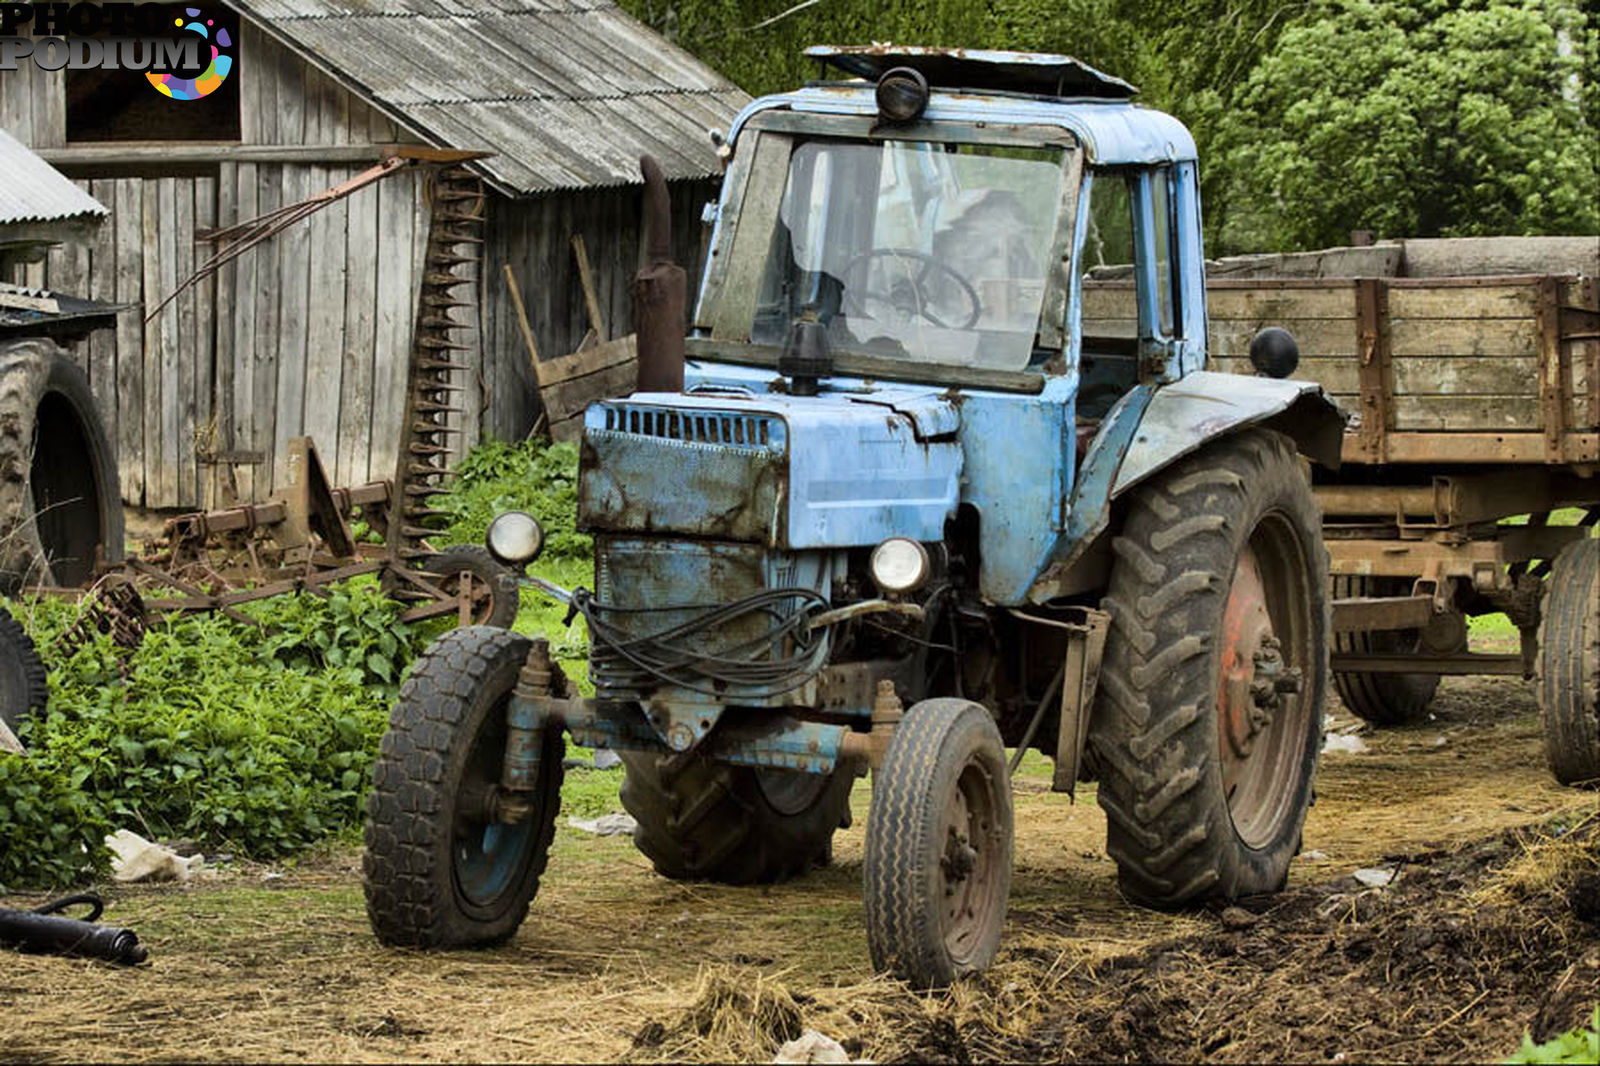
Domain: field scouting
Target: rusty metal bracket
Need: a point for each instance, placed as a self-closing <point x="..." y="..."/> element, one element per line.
<point x="1376" y="377"/>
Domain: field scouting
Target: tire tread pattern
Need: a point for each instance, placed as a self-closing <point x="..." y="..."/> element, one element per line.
<point x="408" y="880"/>
<point x="1567" y="667"/>
<point x="1154" y="735"/>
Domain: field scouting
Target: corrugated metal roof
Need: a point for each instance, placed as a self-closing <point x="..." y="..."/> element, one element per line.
<point x="35" y="191"/>
<point x="567" y="93"/>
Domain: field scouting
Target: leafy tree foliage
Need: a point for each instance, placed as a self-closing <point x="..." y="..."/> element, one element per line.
<point x="1411" y="120"/>
<point x="1410" y="117"/>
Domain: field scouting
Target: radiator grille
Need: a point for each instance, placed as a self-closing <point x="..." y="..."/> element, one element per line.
<point x="696" y="427"/>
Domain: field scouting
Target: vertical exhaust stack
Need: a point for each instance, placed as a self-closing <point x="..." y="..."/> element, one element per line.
<point x="660" y="292"/>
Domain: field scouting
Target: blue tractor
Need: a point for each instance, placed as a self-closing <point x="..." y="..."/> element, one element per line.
<point x="904" y="498"/>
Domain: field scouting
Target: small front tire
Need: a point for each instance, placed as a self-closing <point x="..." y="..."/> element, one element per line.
<point x="439" y="870"/>
<point x="937" y="864"/>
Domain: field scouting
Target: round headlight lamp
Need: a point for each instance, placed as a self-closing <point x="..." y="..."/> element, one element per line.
<point x="515" y="539"/>
<point x="900" y="565"/>
<point x="902" y="95"/>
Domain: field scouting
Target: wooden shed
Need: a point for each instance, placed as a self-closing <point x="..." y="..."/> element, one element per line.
<point x="309" y="333"/>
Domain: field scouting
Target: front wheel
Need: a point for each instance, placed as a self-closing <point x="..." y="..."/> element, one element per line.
<point x="937" y="864"/>
<point x="442" y="869"/>
<point x="1209" y="716"/>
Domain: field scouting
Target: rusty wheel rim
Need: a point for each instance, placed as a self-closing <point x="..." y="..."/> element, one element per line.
<point x="478" y="593"/>
<point x="970" y="862"/>
<point x="1262" y="703"/>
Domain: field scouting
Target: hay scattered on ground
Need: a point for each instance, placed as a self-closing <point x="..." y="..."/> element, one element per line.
<point x="1478" y="940"/>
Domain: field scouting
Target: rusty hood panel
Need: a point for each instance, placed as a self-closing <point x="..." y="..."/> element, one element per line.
<point x="790" y="472"/>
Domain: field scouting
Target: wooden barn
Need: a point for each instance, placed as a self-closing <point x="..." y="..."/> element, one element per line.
<point x="309" y="333"/>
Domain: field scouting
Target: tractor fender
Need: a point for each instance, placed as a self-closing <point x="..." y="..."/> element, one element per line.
<point x="1205" y="405"/>
<point x="1151" y="428"/>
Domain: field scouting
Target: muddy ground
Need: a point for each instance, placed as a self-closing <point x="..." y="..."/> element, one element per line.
<point x="1486" y="932"/>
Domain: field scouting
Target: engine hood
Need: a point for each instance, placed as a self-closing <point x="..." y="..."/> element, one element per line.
<point x="795" y="472"/>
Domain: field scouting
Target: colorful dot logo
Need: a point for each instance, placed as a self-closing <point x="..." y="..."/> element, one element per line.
<point x="210" y="80"/>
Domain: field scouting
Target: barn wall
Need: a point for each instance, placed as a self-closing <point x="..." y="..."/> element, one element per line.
<point x="310" y="332"/>
<point x="534" y="236"/>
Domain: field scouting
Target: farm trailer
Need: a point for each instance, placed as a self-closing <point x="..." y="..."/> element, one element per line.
<point x="1474" y="400"/>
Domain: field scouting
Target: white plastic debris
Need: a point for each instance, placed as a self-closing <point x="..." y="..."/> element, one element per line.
<point x="605" y="759"/>
<point x="1314" y="856"/>
<point x="812" y="1046"/>
<point x="133" y="858"/>
<point x="9" y="741"/>
<point x="1345" y="743"/>
<point x="607" y="825"/>
<point x="1377" y="876"/>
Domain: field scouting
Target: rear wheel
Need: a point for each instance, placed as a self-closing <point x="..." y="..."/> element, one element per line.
<point x="1208" y="721"/>
<point x="700" y="820"/>
<point x="1567" y="668"/>
<point x="1392" y="699"/>
<point x="442" y="869"/>
<point x="936" y="872"/>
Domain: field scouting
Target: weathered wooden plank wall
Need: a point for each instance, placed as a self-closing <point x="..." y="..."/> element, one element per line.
<point x="310" y="332"/>
<point x="534" y="236"/>
<point x="1464" y="357"/>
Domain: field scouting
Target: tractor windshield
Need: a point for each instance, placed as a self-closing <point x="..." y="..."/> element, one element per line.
<point x="935" y="253"/>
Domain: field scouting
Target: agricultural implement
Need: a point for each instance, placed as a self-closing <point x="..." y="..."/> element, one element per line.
<point x="893" y="507"/>
<point x="61" y="525"/>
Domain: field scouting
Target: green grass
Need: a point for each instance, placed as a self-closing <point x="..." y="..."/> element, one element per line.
<point x="1578" y="1045"/>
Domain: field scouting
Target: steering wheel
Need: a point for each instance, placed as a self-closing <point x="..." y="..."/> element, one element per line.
<point x="855" y="298"/>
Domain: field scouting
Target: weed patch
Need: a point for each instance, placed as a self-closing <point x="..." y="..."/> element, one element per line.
<point x="257" y="739"/>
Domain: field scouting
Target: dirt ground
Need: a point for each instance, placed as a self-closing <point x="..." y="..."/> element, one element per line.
<point x="1487" y="931"/>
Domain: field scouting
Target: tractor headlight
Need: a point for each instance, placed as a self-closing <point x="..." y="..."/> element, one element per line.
<point x="515" y="538"/>
<point x="900" y="565"/>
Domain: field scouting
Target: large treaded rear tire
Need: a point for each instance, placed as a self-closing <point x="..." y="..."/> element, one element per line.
<point x="424" y="853"/>
<point x="700" y="820"/>
<point x="60" y="501"/>
<point x="1175" y="829"/>
<point x="1567" y="668"/>
<point x="23" y="688"/>
<point x="1382" y="699"/>
<point x="936" y="873"/>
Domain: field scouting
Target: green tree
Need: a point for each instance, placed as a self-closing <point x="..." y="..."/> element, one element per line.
<point x="1411" y="119"/>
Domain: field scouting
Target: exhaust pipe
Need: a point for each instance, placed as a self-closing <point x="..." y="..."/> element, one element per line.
<point x="660" y="292"/>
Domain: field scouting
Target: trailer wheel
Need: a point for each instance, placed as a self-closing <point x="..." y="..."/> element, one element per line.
<point x="700" y="820"/>
<point x="1384" y="699"/>
<point x="60" y="502"/>
<point x="1209" y="716"/>
<point x="1567" y="668"/>
<point x="491" y="586"/>
<point x="439" y="870"/>
<point x="22" y="675"/>
<point x="936" y="872"/>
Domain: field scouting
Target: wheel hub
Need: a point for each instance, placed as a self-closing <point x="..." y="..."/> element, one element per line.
<point x="1251" y="660"/>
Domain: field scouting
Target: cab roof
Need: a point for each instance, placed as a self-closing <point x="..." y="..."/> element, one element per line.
<point x="1032" y="73"/>
<point x="1022" y="88"/>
